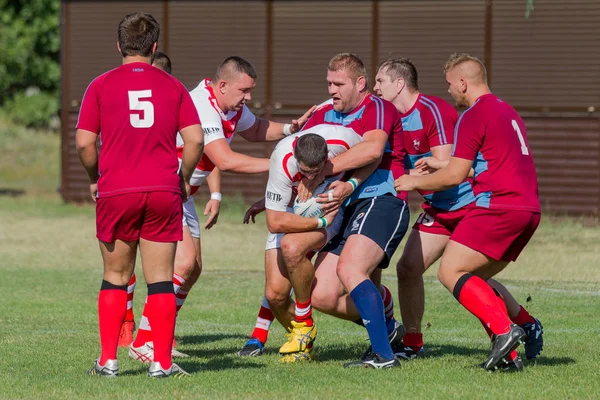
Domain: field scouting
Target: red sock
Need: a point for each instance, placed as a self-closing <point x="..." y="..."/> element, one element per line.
<point x="303" y="313"/>
<point x="523" y="317"/>
<point x="144" y="332"/>
<point x="161" y="314"/>
<point x="263" y="322"/>
<point x="112" y="306"/>
<point x="388" y="303"/>
<point x="414" y="340"/>
<point x="130" y="288"/>
<point x="480" y="300"/>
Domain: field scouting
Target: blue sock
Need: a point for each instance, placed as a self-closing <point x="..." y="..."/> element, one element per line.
<point x="368" y="301"/>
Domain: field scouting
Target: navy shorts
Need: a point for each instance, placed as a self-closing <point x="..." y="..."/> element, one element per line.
<point x="383" y="219"/>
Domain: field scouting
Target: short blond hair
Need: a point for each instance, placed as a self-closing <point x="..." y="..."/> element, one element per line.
<point x="457" y="59"/>
<point x="348" y="62"/>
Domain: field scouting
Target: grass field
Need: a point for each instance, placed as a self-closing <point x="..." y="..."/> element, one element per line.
<point x="50" y="273"/>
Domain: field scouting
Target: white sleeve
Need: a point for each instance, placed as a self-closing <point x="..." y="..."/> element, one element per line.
<point x="212" y="125"/>
<point x="246" y="121"/>
<point x="279" y="186"/>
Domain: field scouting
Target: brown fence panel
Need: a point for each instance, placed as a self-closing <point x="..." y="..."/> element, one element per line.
<point x="566" y="150"/>
<point x="549" y="60"/>
<point x="204" y="33"/>
<point x="306" y="35"/>
<point x="427" y="32"/>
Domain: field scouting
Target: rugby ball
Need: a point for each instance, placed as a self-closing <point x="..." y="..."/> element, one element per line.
<point x="310" y="208"/>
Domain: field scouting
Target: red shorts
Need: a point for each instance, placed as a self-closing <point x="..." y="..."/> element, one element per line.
<point x="154" y="216"/>
<point x="499" y="234"/>
<point x="439" y="222"/>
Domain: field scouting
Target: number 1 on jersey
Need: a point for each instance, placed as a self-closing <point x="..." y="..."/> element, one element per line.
<point x="135" y="104"/>
<point x="524" y="148"/>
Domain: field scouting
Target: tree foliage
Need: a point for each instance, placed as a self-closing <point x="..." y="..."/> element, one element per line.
<point x="29" y="46"/>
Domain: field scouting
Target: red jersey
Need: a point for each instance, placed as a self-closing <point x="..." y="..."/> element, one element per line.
<point x="372" y="113"/>
<point x="137" y="110"/>
<point x="430" y="123"/>
<point x="493" y="136"/>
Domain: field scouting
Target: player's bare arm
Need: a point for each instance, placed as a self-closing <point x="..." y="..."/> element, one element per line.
<point x="340" y="190"/>
<point x="213" y="206"/>
<point x="228" y="160"/>
<point x="445" y="178"/>
<point x="287" y="222"/>
<point x="364" y="153"/>
<point x="88" y="155"/>
<point x="264" y="130"/>
<point x="440" y="157"/>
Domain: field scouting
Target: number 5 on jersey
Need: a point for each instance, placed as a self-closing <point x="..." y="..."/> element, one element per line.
<point x="136" y="104"/>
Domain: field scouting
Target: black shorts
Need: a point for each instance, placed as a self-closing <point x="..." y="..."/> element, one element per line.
<point x="383" y="219"/>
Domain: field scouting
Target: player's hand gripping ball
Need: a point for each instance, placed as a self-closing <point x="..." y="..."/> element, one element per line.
<point x="310" y="208"/>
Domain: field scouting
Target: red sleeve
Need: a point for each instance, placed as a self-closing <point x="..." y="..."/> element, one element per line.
<point x="188" y="115"/>
<point x="313" y="120"/>
<point x="468" y="139"/>
<point x="441" y="125"/>
<point x="380" y="114"/>
<point x="89" y="113"/>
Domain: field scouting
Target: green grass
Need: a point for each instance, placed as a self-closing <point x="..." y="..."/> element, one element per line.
<point x="50" y="272"/>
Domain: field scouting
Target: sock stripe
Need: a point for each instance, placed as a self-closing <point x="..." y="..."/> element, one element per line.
<point x="459" y="285"/>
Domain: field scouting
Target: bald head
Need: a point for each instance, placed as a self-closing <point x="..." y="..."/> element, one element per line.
<point x="467" y="67"/>
<point x="466" y="77"/>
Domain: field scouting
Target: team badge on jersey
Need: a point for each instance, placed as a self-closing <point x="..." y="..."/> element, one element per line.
<point x="416" y="144"/>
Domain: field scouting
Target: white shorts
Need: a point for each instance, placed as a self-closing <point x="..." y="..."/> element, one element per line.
<point x="190" y="217"/>
<point x="274" y="239"/>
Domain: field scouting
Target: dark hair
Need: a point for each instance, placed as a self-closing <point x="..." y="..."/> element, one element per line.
<point x="311" y="150"/>
<point x="234" y="65"/>
<point x="161" y="61"/>
<point x="402" y="68"/>
<point x="137" y="34"/>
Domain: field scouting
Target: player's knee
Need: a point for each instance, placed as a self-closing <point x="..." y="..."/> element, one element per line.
<point x="277" y="299"/>
<point x="185" y="266"/>
<point x="343" y="271"/>
<point x="292" y="251"/>
<point x="323" y="300"/>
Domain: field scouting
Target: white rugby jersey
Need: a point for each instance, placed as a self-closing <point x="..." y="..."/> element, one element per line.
<point x="216" y="125"/>
<point x="283" y="171"/>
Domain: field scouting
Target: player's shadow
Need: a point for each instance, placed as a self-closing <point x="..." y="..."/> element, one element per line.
<point x="208" y="338"/>
<point x="341" y="352"/>
<point x="11" y="192"/>
<point x="441" y="350"/>
<point x="550" y="361"/>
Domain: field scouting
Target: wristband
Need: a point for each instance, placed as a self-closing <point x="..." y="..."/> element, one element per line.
<point x="216" y="196"/>
<point x="354" y="183"/>
<point x="287" y="129"/>
<point x="321" y="223"/>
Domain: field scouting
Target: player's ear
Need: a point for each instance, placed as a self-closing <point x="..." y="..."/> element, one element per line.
<point x="361" y="82"/>
<point x="119" y="47"/>
<point x="154" y="47"/>
<point x="400" y="83"/>
<point x="463" y="85"/>
<point x="222" y="85"/>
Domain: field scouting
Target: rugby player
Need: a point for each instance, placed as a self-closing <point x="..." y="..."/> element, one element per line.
<point x="138" y="110"/>
<point x="428" y="123"/>
<point x="491" y="138"/>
